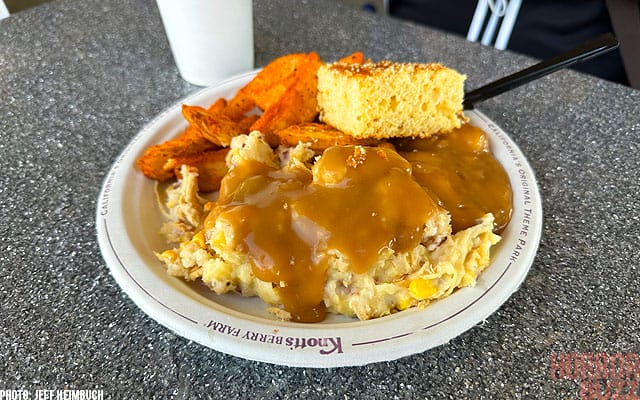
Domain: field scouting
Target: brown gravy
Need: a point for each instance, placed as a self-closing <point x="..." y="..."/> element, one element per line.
<point x="362" y="200"/>
<point x="459" y="170"/>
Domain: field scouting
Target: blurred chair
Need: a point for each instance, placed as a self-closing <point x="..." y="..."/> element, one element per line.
<point x="503" y="14"/>
<point x="539" y="28"/>
<point x="625" y="18"/>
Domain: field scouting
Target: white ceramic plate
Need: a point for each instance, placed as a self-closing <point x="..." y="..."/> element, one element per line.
<point x="128" y="221"/>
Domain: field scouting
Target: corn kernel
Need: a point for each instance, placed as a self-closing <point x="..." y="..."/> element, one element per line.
<point x="422" y="289"/>
<point x="219" y="239"/>
<point x="404" y="303"/>
<point x="198" y="239"/>
<point x="170" y="255"/>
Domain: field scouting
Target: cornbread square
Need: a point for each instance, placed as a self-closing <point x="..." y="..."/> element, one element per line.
<point x="385" y="99"/>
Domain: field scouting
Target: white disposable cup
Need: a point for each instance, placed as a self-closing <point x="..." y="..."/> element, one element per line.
<point x="210" y="39"/>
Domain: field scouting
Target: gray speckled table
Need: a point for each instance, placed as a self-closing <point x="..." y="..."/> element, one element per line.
<point x="79" y="78"/>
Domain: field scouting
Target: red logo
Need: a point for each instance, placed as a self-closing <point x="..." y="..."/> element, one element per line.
<point x="599" y="375"/>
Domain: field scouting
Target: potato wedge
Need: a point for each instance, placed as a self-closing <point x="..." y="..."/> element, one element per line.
<point x="218" y="106"/>
<point x="354" y="58"/>
<point x="211" y="167"/>
<point x="318" y="135"/>
<point x="267" y="87"/>
<point x="297" y="104"/>
<point x="153" y="163"/>
<point x="245" y="123"/>
<point x="217" y="128"/>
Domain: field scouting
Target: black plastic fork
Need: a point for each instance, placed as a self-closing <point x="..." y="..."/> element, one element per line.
<point x="594" y="48"/>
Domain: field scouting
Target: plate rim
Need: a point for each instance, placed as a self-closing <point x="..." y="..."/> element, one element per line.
<point x="266" y="340"/>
